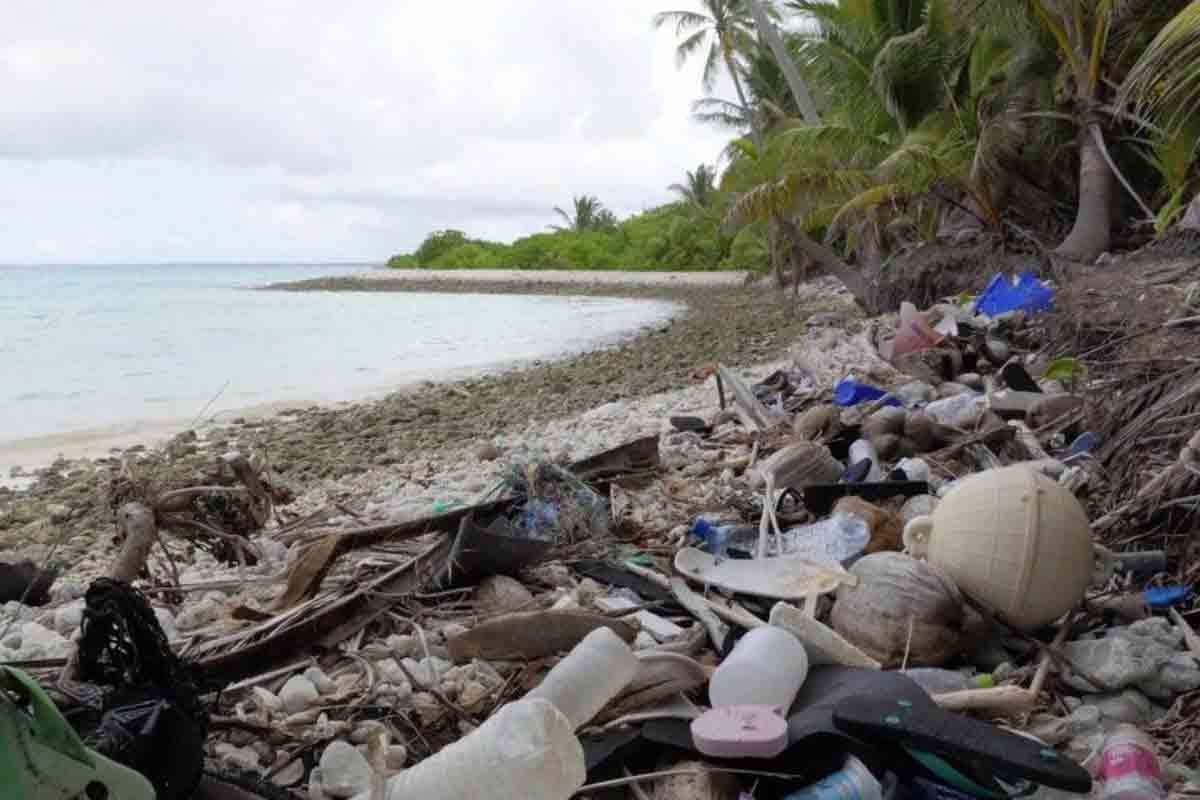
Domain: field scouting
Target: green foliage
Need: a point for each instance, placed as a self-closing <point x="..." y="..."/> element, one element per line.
<point x="676" y="236"/>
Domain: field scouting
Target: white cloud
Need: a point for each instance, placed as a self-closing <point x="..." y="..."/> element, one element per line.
<point x="140" y="131"/>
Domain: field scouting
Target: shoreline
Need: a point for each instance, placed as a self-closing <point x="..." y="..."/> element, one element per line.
<point x="429" y="438"/>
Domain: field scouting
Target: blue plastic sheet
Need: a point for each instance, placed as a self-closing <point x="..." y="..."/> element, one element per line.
<point x="1028" y="294"/>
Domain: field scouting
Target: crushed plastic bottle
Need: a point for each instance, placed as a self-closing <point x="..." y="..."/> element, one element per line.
<point x="1129" y="768"/>
<point x="838" y="538"/>
<point x="852" y="782"/>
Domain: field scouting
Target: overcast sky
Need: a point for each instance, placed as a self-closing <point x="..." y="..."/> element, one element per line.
<point x="226" y="130"/>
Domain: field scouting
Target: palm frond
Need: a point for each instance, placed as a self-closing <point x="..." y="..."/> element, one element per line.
<point x="1164" y="83"/>
<point x="684" y="21"/>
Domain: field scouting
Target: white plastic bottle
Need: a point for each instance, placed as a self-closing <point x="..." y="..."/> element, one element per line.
<point x="863" y="450"/>
<point x="1129" y="767"/>
<point x="525" y="751"/>
<point x="852" y="782"/>
<point x="591" y="675"/>
<point x="766" y="668"/>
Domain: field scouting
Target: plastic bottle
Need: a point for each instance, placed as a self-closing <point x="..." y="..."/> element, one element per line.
<point x="718" y="539"/>
<point x="944" y="681"/>
<point x="525" y="751"/>
<point x="863" y="450"/>
<point x="852" y="782"/>
<point x="766" y="668"/>
<point x="591" y="675"/>
<point x="838" y="538"/>
<point x="1128" y="768"/>
<point x="959" y="411"/>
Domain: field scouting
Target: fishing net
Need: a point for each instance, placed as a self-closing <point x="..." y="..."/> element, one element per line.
<point x="150" y="716"/>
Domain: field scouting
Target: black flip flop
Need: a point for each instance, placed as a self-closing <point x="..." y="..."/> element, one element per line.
<point x="1018" y="379"/>
<point x="890" y="708"/>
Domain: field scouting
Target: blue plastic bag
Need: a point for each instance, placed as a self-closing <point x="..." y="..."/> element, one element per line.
<point x="850" y="393"/>
<point x="1028" y="294"/>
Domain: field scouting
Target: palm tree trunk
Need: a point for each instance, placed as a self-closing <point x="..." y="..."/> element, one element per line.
<point x="755" y="133"/>
<point x="799" y="89"/>
<point x="1092" y="231"/>
<point x="829" y="261"/>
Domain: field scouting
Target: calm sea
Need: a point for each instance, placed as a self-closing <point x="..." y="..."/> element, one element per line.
<point x="94" y="346"/>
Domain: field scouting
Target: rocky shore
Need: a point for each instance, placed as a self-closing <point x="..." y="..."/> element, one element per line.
<point x="440" y="442"/>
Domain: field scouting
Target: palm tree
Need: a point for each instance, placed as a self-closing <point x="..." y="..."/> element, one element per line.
<point x="589" y="215"/>
<point x="799" y="89"/>
<point x="699" y="188"/>
<point x="724" y="34"/>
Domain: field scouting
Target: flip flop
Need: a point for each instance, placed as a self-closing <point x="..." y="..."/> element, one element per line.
<point x="888" y="707"/>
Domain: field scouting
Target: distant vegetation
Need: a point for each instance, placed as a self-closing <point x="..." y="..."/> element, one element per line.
<point x="862" y="130"/>
<point x="685" y="235"/>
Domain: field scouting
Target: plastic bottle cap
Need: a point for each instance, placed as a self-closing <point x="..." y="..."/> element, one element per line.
<point x="741" y="732"/>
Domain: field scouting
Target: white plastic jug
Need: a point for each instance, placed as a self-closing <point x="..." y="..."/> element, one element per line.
<point x="766" y="668"/>
<point x="591" y="675"/>
<point x="525" y="751"/>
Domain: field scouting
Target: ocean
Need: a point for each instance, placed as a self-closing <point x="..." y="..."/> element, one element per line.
<point x="100" y="347"/>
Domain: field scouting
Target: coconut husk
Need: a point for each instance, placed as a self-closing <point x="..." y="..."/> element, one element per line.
<point x="901" y="607"/>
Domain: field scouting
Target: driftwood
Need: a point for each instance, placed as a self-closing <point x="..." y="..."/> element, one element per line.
<point x="530" y="635"/>
<point x="136" y="523"/>
<point x="327" y="627"/>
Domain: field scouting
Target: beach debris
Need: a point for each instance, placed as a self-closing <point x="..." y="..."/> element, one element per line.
<point x="1012" y="539"/>
<point x="533" y="634"/>
<point x="781" y="577"/>
<point x="23" y="582"/>
<point x="823" y="644"/>
<point x="592" y="674"/>
<point x="901" y="611"/>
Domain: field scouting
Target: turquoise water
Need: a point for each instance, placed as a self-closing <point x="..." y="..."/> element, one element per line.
<point x="94" y="346"/>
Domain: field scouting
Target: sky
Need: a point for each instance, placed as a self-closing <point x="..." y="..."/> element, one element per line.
<point x="293" y="130"/>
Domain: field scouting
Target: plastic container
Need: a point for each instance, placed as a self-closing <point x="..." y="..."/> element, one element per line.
<point x="944" y="681"/>
<point x="718" y="539"/>
<point x="766" y="668"/>
<point x="852" y="782"/>
<point x="913" y="333"/>
<point x="863" y="450"/>
<point x="960" y="411"/>
<point x="838" y="538"/>
<point x="1025" y="293"/>
<point x="525" y="751"/>
<point x="591" y="675"/>
<point x="1128" y="768"/>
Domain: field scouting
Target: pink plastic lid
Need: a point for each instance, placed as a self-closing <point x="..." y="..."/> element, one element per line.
<point x="741" y="732"/>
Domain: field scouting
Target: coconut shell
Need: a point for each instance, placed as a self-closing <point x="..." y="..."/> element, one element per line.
<point x="887" y="530"/>
<point x="884" y="421"/>
<point x="896" y="593"/>
<point x="818" y="423"/>
<point x="920" y="428"/>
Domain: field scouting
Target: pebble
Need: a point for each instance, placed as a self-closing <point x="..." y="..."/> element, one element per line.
<point x="31" y="642"/>
<point x="290" y="775"/>
<point x="68" y="617"/>
<point x="344" y="770"/>
<point x="266" y="699"/>
<point x="320" y="680"/>
<point x="240" y="757"/>
<point x="396" y="757"/>
<point x="472" y="692"/>
<point x="487" y="452"/>
<point x="298" y="694"/>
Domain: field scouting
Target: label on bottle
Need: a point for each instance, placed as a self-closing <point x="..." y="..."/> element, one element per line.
<point x="1127" y="759"/>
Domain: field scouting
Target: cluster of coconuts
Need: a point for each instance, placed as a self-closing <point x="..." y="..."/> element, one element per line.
<point x="896" y="433"/>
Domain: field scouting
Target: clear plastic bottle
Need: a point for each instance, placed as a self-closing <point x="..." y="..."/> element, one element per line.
<point x="766" y="668"/>
<point x="718" y="539"/>
<point x="525" y="751"/>
<point x="837" y="538"/>
<point x="852" y="782"/>
<point x="591" y="675"/>
<point x="1129" y="768"/>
